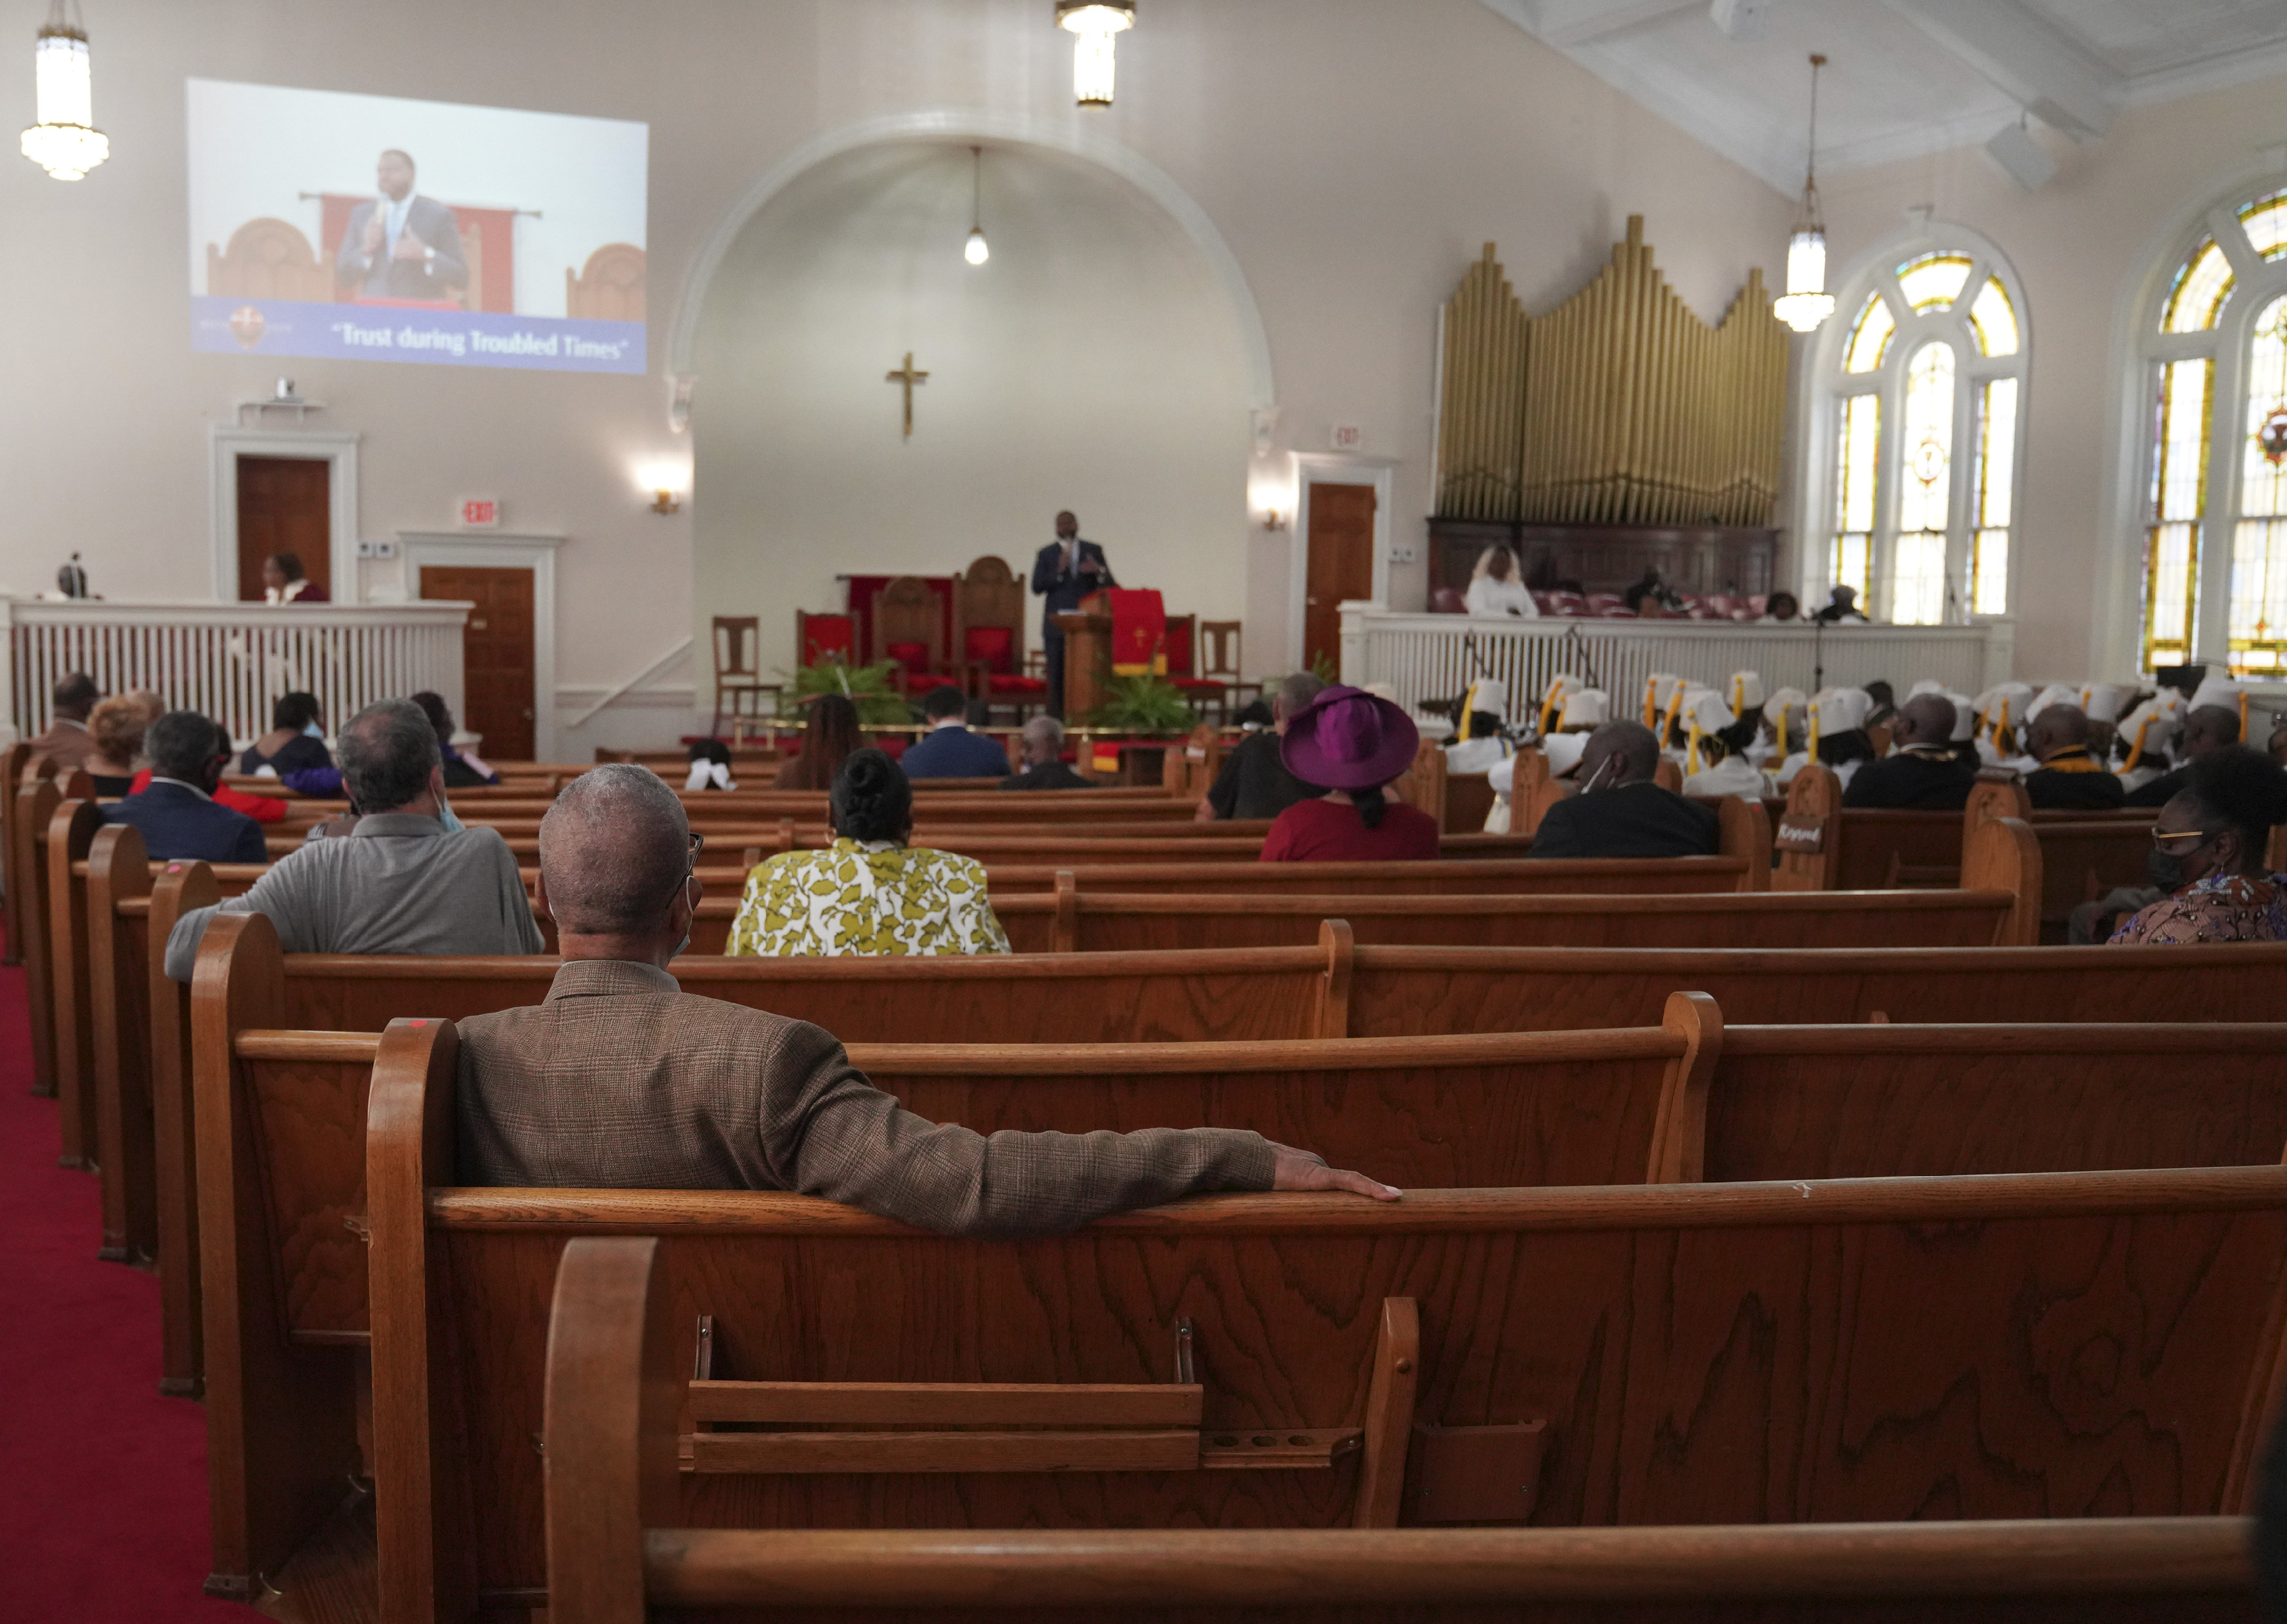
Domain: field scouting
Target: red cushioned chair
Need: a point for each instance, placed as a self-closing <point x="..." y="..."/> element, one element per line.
<point x="988" y="611"/>
<point x="908" y="629"/>
<point x="1569" y="605"/>
<point x="1445" y="600"/>
<point x="826" y="637"/>
<point x="1182" y="667"/>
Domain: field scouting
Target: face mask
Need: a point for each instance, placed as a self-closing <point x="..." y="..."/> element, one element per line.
<point x="2165" y="870"/>
<point x="444" y="816"/>
<point x="313" y="730"/>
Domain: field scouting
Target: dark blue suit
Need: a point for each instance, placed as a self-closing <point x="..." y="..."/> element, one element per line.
<point x="954" y="753"/>
<point x="180" y="824"/>
<point x="1064" y="589"/>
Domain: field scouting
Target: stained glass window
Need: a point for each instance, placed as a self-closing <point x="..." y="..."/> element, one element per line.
<point x="1932" y="282"/>
<point x="2259" y="553"/>
<point x="1870" y="337"/>
<point x="1994" y="320"/>
<point x="2265" y="221"/>
<point x="1996" y="455"/>
<point x="2199" y="291"/>
<point x="1859" y="437"/>
<point x="2177" y="499"/>
<point x="1924" y="489"/>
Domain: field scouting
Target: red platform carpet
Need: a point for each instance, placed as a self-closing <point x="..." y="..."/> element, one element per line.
<point x="103" y="1492"/>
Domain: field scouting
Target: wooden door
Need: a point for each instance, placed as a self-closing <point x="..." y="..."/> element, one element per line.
<point x="1341" y="565"/>
<point x="495" y="654"/>
<point x="285" y="505"/>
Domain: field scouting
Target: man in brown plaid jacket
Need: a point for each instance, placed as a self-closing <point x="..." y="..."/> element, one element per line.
<point x="620" y="1079"/>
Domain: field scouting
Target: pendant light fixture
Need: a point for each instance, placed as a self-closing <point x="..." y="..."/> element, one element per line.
<point x="976" y="252"/>
<point x="64" y="142"/>
<point x="1806" y="301"/>
<point x="1096" y="23"/>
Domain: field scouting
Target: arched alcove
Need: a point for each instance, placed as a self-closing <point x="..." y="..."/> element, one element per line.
<point x="1097" y="362"/>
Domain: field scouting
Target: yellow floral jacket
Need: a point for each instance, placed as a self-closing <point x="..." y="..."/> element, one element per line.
<point x="872" y="897"/>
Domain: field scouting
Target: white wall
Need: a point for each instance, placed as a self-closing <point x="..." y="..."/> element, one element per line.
<point x="1354" y="154"/>
<point x="1091" y="363"/>
<point x="2080" y="244"/>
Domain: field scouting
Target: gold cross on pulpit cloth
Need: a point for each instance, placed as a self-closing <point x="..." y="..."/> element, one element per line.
<point x="907" y="376"/>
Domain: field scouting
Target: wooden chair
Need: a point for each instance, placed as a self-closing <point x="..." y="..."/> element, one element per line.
<point x="909" y="632"/>
<point x="619" y="1392"/>
<point x="739" y="685"/>
<point x="1618" y="1310"/>
<point x="988" y="629"/>
<point x="1221" y="655"/>
<point x="268" y="259"/>
<point x="610" y="288"/>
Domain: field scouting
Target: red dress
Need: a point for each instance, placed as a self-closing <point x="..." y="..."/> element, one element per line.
<point x="261" y="809"/>
<point x="1317" y="830"/>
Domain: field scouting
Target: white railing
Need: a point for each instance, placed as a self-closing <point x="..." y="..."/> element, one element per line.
<point x="231" y="660"/>
<point x="1434" y="657"/>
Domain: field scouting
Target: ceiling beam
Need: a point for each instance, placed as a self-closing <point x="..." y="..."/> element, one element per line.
<point x="2040" y="68"/>
<point x="1566" y="23"/>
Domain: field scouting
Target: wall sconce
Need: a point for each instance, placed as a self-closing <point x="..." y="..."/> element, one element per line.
<point x="666" y="501"/>
<point x="1272" y="519"/>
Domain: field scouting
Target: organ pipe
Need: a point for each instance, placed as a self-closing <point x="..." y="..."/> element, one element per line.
<point x="1619" y="407"/>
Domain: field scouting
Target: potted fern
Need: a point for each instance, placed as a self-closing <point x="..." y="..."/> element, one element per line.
<point x="1145" y="708"/>
<point x="868" y="687"/>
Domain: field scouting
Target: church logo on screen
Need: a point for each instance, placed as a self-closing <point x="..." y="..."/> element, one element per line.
<point x="246" y="326"/>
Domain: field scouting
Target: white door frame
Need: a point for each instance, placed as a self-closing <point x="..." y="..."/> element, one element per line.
<point x="1322" y="468"/>
<point x="226" y="443"/>
<point x="447" y="549"/>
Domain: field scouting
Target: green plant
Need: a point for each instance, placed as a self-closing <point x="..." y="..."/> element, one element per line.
<point x="1322" y="666"/>
<point x="1143" y="705"/>
<point x="879" y="703"/>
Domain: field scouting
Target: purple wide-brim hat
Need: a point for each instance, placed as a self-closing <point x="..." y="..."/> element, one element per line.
<point x="1348" y="740"/>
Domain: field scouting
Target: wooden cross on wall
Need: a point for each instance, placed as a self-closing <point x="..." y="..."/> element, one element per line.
<point x="907" y="376"/>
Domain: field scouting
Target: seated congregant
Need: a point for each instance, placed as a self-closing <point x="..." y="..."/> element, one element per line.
<point x="1254" y="782"/>
<point x="1620" y="810"/>
<point x="1355" y="744"/>
<point x="67" y="741"/>
<point x="707" y="766"/>
<point x="1045" y="768"/>
<point x="2069" y="775"/>
<point x="1722" y="741"/>
<point x="1841" y="604"/>
<point x="177" y="813"/>
<point x="2206" y="729"/>
<point x="872" y="891"/>
<point x="296" y="739"/>
<point x="284" y="580"/>
<point x="1495" y="588"/>
<point x="463" y="771"/>
<point x="1926" y="770"/>
<point x="115" y="729"/>
<point x="620" y="1079"/>
<point x="261" y="809"/>
<point x="2208" y="856"/>
<point x="408" y="878"/>
<point x="1836" y="718"/>
<point x="1782" y="608"/>
<point x="827" y="739"/>
<point x="950" y="750"/>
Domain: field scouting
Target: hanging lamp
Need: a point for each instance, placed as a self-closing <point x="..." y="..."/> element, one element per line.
<point x="64" y="142"/>
<point x="1096" y="23"/>
<point x="1806" y="301"/>
<point x="976" y="251"/>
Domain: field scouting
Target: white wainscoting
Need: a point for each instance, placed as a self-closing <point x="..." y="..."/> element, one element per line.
<point x="230" y="660"/>
<point x="1434" y="657"/>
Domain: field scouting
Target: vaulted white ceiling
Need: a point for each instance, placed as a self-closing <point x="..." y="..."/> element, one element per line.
<point x="1903" y="77"/>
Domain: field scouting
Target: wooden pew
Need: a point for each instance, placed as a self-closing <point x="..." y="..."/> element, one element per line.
<point x="71" y="1053"/>
<point x="14" y="763"/>
<point x="1713" y="1353"/>
<point x="618" y="1389"/>
<point x="35" y="803"/>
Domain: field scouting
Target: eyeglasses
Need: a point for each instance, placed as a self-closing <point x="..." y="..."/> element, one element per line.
<point x="2160" y="835"/>
<point x="698" y="843"/>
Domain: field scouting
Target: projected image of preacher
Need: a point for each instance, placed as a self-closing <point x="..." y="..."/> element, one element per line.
<point x="402" y="245"/>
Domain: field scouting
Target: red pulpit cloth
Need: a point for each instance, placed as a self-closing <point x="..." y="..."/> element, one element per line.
<point x="1139" y="633"/>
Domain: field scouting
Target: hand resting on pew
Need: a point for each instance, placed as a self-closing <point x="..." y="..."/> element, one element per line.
<point x="620" y="1079"/>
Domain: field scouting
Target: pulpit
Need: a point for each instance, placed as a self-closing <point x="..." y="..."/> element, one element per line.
<point x="1088" y="654"/>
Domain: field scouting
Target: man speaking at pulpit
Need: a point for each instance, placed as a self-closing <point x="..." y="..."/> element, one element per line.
<point x="401" y="245"/>
<point x="1067" y="569"/>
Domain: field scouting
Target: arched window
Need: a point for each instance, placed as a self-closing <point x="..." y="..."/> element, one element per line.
<point x="2214" y="382"/>
<point x="1923" y="394"/>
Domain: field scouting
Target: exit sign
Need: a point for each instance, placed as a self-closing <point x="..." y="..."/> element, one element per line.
<point x="1348" y="437"/>
<point x="480" y="513"/>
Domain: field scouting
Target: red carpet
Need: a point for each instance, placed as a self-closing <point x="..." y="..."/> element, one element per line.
<point x="103" y="1486"/>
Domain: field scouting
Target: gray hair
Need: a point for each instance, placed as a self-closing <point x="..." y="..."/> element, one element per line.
<point x="612" y="847"/>
<point x="1296" y="694"/>
<point x="387" y="753"/>
<point x="181" y="745"/>
<point x="1045" y="731"/>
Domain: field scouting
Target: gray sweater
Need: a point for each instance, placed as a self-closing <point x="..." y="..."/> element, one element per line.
<point x="398" y="883"/>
